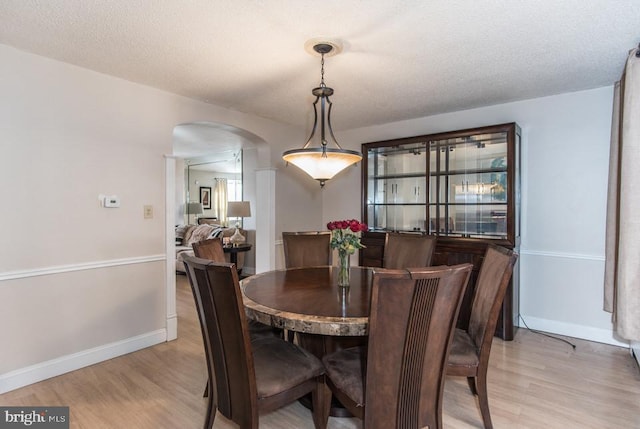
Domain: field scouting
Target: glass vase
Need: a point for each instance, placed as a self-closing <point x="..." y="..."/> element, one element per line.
<point x="343" y="268"/>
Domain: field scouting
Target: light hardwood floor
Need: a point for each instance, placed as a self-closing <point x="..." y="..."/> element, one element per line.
<point x="534" y="382"/>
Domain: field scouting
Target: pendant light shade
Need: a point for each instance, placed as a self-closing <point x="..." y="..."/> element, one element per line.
<point x="322" y="162"/>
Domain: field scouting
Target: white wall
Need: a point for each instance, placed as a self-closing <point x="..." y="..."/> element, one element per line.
<point x="299" y="200"/>
<point x="565" y="151"/>
<point x="80" y="283"/>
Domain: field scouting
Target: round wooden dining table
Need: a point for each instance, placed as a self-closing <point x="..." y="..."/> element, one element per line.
<point x="309" y="300"/>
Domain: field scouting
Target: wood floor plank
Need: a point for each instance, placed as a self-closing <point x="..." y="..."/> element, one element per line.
<point x="534" y="382"/>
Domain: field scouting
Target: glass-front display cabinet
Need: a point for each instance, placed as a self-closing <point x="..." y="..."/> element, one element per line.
<point x="459" y="184"/>
<point x="462" y="186"/>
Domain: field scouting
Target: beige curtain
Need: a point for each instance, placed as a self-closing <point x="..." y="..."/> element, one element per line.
<point x="220" y="200"/>
<point x="622" y="265"/>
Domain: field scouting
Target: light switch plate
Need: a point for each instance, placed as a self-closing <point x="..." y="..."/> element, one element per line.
<point x="112" y="201"/>
<point x="148" y="212"/>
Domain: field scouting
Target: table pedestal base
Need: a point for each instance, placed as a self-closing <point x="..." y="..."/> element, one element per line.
<point x="336" y="410"/>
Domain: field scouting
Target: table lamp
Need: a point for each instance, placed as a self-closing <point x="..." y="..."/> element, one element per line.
<point x="238" y="209"/>
<point x="194" y="209"/>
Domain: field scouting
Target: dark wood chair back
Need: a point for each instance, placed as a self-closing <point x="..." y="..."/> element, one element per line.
<point x="212" y="250"/>
<point x="411" y="324"/>
<point x="407" y="250"/>
<point x="209" y="249"/>
<point x="493" y="280"/>
<point x="470" y="349"/>
<point x="225" y="335"/>
<point x="306" y="249"/>
<point x="233" y="358"/>
<point x="413" y="315"/>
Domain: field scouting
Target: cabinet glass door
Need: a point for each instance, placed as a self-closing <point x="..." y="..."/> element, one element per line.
<point x="468" y="187"/>
<point x="397" y="187"/>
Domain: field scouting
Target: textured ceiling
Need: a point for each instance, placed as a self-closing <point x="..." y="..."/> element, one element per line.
<point x="400" y="59"/>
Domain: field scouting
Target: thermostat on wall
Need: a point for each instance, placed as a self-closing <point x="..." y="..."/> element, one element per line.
<point x="112" y="201"/>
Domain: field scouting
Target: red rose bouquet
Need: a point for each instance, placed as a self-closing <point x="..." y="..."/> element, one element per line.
<point x="345" y="236"/>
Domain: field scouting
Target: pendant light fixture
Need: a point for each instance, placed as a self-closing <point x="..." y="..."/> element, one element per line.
<point x="321" y="161"/>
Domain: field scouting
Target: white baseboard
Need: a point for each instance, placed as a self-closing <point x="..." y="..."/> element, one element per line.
<point x="172" y="327"/>
<point x="576" y="331"/>
<point x="44" y="370"/>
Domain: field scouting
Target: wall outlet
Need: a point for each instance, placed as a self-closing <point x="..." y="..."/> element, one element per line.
<point x="148" y="212"/>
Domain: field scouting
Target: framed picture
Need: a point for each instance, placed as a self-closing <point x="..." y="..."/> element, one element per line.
<point x="205" y="197"/>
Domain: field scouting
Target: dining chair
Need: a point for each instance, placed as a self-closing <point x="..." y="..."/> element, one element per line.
<point x="306" y="249"/>
<point x="397" y="380"/>
<point x="212" y="249"/>
<point x="469" y="356"/>
<point x="251" y="375"/>
<point x="209" y="249"/>
<point x="408" y="250"/>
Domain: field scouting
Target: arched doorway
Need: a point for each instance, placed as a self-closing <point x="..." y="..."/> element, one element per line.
<point x="216" y="141"/>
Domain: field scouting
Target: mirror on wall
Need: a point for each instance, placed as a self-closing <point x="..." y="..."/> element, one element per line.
<point x="211" y="182"/>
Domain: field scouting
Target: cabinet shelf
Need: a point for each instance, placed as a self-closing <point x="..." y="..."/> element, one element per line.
<point x="399" y="176"/>
<point x="479" y="203"/>
<point x="468" y="171"/>
<point x="396" y="204"/>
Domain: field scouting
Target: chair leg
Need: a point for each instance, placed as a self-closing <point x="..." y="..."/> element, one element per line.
<point x="252" y="423"/>
<point x="483" y="399"/>
<point x="211" y="412"/>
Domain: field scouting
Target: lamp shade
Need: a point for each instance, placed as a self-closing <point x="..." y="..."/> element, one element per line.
<point x="194" y="208"/>
<point x="322" y="164"/>
<point x="238" y="209"/>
